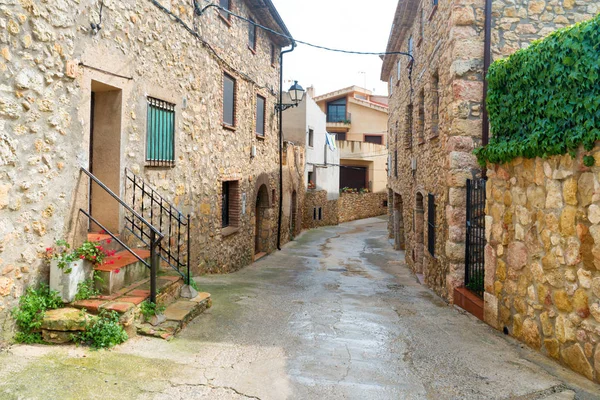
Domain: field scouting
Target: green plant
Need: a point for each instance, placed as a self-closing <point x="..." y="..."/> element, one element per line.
<point x="150" y="309"/>
<point x="589" y="161"/>
<point x="193" y="284"/>
<point x="91" y="251"/>
<point x="102" y="331"/>
<point x="544" y="100"/>
<point x="87" y="288"/>
<point x="29" y="314"/>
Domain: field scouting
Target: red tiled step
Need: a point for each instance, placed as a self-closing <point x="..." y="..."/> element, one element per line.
<point x="99" y="237"/>
<point x="122" y="259"/>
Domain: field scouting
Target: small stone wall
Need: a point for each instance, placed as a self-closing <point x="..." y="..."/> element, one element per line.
<point x="542" y="259"/>
<point x="353" y="206"/>
<point x="349" y="207"/>
<point x="314" y="200"/>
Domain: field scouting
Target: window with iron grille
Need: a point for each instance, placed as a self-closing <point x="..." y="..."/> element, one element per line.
<point x="435" y="104"/>
<point x="228" y="100"/>
<point x="260" y="115"/>
<point x="396" y="163"/>
<point x="160" y="140"/>
<point x="421" y="122"/>
<point x="431" y="224"/>
<point x="273" y="55"/>
<point x="252" y="34"/>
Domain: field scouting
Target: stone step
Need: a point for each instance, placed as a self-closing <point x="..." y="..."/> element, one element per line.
<point x="121" y="270"/>
<point x="176" y="317"/>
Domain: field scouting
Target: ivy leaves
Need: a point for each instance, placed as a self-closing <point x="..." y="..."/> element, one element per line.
<point x="545" y="100"/>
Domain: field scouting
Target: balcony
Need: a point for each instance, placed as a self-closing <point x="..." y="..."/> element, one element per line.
<point x="339" y="122"/>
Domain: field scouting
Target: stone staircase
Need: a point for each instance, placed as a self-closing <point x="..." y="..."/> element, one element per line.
<point x="124" y="284"/>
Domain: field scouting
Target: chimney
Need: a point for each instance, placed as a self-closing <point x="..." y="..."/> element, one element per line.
<point x="310" y="91"/>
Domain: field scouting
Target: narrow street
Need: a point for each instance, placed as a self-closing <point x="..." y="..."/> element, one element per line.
<point x="335" y="315"/>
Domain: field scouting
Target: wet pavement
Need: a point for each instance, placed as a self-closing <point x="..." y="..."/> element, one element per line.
<point x="335" y="315"/>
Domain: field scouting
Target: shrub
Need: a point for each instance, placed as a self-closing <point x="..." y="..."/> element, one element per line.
<point x="545" y="100"/>
<point x="150" y="309"/>
<point x="29" y="314"/>
<point x="102" y="331"/>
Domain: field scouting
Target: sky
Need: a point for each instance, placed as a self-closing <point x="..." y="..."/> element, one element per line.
<point x="345" y="24"/>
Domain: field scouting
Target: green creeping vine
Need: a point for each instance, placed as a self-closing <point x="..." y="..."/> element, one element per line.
<point x="545" y="100"/>
<point x="102" y="331"/>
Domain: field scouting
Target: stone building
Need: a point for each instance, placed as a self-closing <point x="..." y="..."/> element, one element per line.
<point x="437" y="117"/>
<point x="183" y="101"/>
<point x="359" y="120"/>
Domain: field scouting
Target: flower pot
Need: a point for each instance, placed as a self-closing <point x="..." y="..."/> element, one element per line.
<point x="66" y="283"/>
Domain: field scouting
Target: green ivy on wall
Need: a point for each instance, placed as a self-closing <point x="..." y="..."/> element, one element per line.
<point x="545" y="100"/>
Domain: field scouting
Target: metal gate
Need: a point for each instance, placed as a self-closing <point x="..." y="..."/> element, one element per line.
<point x="474" y="253"/>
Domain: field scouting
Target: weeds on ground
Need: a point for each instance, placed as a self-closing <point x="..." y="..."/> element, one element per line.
<point x="29" y="314"/>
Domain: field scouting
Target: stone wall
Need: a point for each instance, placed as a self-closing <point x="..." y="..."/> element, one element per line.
<point x="353" y="206"/>
<point x="349" y="207"/>
<point x="51" y="62"/>
<point x="448" y="44"/>
<point x="542" y="259"/>
<point x="315" y="200"/>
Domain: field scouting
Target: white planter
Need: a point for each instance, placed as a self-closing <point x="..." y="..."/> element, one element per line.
<point x="66" y="284"/>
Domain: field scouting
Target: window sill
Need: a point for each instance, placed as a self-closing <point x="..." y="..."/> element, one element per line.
<point x="259" y="136"/>
<point x="229" y="230"/>
<point x="159" y="164"/>
<point x="433" y="11"/>
<point x="251" y="50"/>
<point x="225" y="20"/>
<point x="229" y="127"/>
<point x="434" y="136"/>
<point x="421" y="141"/>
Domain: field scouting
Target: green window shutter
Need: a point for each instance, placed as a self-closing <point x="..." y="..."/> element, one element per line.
<point x="160" y="143"/>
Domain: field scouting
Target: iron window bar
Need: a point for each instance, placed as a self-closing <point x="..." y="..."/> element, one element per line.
<point x="475" y="238"/>
<point x="160" y="146"/>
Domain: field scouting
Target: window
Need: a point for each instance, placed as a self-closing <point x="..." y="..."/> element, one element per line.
<point x="336" y="111"/>
<point x="226" y="4"/>
<point x="409" y="126"/>
<point x="422" y="32"/>
<point x="431" y="224"/>
<point x="228" y="100"/>
<point x="310" y="177"/>
<point x="160" y="141"/>
<point x="396" y="163"/>
<point x="273" y="55"/>
<point x="435" y="104"/>
<point x="230" y="204"/>
<point x="421" y="127"/>
<point x="252" y="35"/>
<point x="410" y="45"/>
<point x="311" y="137"/>
<point x="434" y="2"/>
<point x="260" y="115"/>
<point x="340" y="136"/>
<point x="317" y="213"/>
<point x="377" y="139"/>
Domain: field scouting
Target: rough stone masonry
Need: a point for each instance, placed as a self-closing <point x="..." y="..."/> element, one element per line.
<point x="50" y="63"/>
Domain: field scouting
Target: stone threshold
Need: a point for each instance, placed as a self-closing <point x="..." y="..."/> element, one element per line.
<point x="175" y="317"/>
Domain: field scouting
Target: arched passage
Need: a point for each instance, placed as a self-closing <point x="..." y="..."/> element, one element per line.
<point x="419" y="231"/>
<point x="261" y="230"/>
<point x="399" y="241"/>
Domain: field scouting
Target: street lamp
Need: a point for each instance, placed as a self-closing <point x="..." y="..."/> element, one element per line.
<point x="296" y="93"/>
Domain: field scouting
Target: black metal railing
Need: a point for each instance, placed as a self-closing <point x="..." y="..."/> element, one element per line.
<point x="154" y="235"/>
<point x="475" y="246"/>
<point x="175" y="250"/>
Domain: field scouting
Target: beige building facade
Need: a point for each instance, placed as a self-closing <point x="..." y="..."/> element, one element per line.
<point x="185" y="102"/>
<point x="358" y="118"/>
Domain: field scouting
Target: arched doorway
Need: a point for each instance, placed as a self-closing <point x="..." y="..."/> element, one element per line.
<point x="399" y="241"/>
<point x="293" y="215"/>
<point x="261" y="232"/>
<point x="419" y="231"/>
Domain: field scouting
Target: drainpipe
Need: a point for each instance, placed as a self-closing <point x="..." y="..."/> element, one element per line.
<point x="281" y="143"/>
<point x="487" y="58"/>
